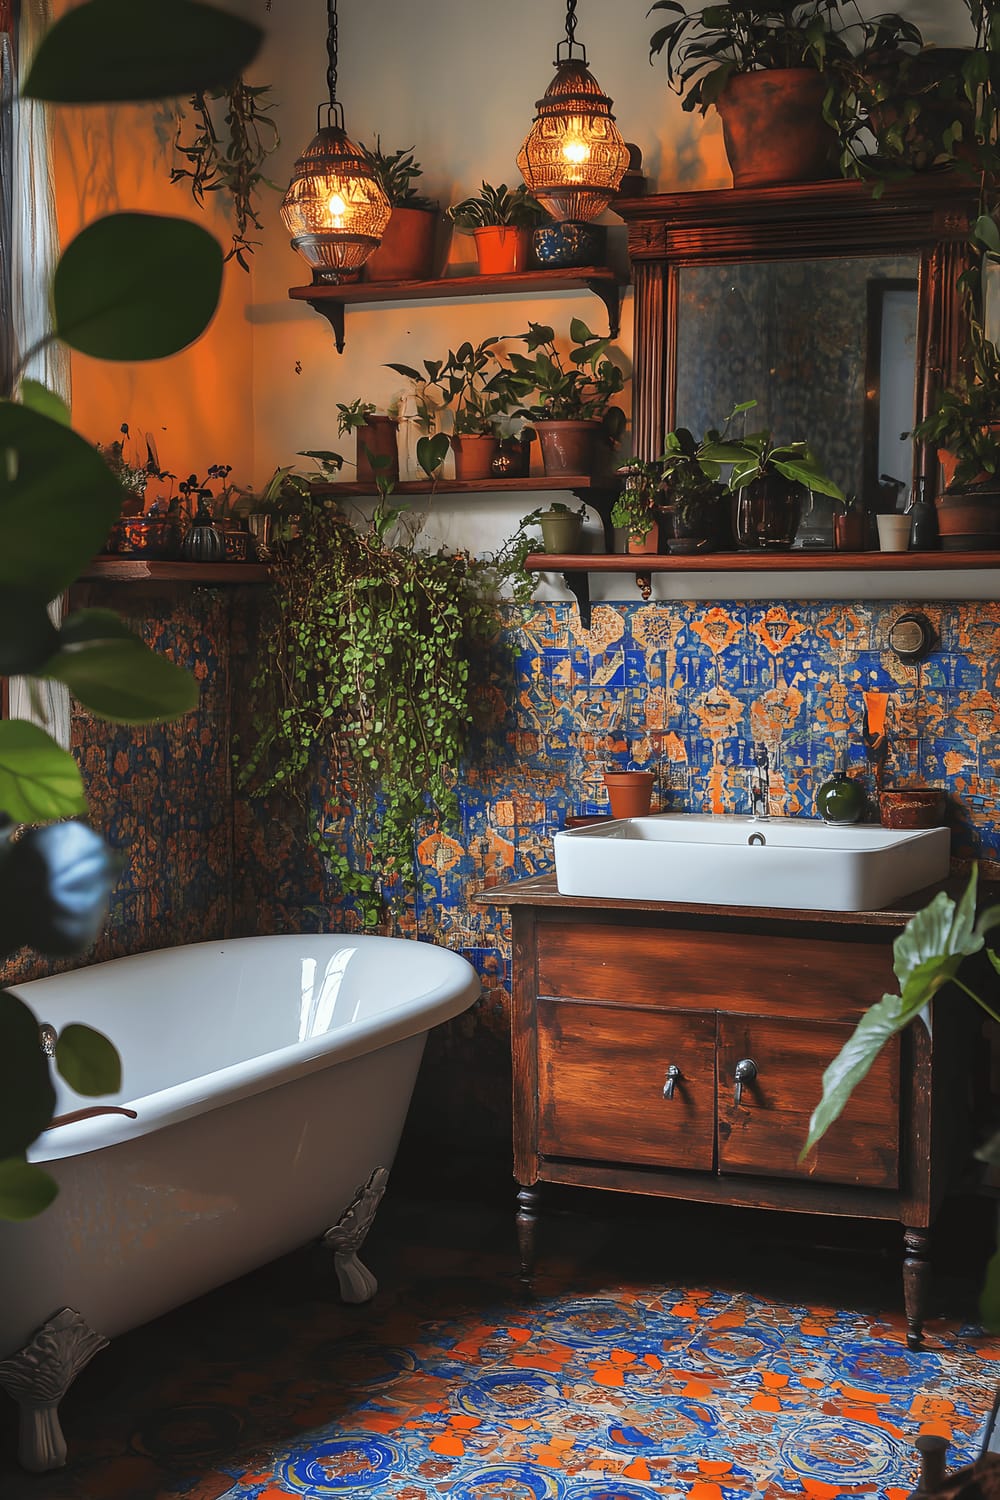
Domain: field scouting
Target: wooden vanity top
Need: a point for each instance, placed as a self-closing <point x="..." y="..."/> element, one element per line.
<point x="542" y="891"/>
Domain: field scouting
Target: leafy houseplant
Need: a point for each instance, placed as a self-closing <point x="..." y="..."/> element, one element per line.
<point x="375" y="436"/>
<point x="500" y="219"/>
<point x="55" y="879"/>
<point x="691" y="490"/>
<point x="474" y="385"/>
<point x="572" y="402"/>
<point x="406" y="252"/>
<point x="770" y="480"/>
<point x="768" y="69"/>
<point x="413" y="635"/>
<point x="561" y="526"/>
<point x="635" y="508"/>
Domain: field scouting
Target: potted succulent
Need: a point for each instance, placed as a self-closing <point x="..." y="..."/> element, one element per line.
<point x="572" y="406"/>
<point x="474" y="385"/>
<point x="766" y="70"/>
<point x="635" y="509"/>
<point x="770" y="481"/>
<point x="406" y="252"/>
<point x="375" y="437"/>
<point x="501" y="221"/>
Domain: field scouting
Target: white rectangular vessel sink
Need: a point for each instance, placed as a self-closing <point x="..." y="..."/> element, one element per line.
<point x="720" y="861"/>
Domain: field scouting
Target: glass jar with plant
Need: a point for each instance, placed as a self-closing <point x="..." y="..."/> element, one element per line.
<point x="417" y="643"/>
<point x="501" y="220"/>
<point x="766" y="68"/>
<point x="375" y="437"/>
<point x="770" y="481"/>
<point x="473" y="384"/>
<point x="691" y="490"/>
<point x="572" y="406"/>
<point x="406" y="252"/>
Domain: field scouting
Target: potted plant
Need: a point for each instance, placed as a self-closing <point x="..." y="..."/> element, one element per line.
<point x="561" y="524"/>
<point x="572" y="408"/>
<point x="766" y="70"/>
<point x="406" y="252"/>
<point x="770" y="481"/>
<point x="690" y="491"/>
<point x="630" y="792"/>
<point x="474" y="385"/>
<point x="501" y="221"/>
<point x="635" y="509"/>
<point x="964" y="427"/>
<point x="375" y="438"/>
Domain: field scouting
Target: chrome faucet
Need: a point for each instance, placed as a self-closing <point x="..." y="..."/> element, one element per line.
<point x="760" y="785"/>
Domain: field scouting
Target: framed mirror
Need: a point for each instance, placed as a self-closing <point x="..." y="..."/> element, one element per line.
<point x="837" y="311"/>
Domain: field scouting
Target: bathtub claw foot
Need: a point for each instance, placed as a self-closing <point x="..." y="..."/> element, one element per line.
<point x="357" y="1284"/>
<point x="38" y="1377"/>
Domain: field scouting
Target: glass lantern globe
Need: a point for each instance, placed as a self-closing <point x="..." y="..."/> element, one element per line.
<point x="335" y="210"/>
<point x="573" y="157"/>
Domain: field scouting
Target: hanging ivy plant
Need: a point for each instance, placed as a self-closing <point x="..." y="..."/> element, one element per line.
<point x="229" y="158"/>
<point x="382" y="660"/>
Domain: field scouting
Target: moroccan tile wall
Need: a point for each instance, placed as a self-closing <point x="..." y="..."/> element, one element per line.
<point x="683" y="688"/>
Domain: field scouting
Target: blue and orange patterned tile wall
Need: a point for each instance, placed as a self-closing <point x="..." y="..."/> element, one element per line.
<point x="681" y="687"/>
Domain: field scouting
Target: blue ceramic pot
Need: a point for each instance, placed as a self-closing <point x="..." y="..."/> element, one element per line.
<point x="569" y="244"/>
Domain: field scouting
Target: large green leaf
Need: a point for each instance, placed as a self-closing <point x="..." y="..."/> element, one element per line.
<point x="27" y="1098"/>
<point x="25" y="1191"/>
<point x="809" y="475"/>
<point x="58" y="500"/>
<point x="107" y="50"/>
<point x="39" y="398"/>
<point x="881" y="1021"/>
<point x="136" y="286"/>
<point x="117" y="676"/>
<point x="38" y="781"/>
<point x="27" y="635"/>
<point x="88" y="1061"/>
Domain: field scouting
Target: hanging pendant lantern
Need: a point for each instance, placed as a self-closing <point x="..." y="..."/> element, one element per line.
<point x="335" y="209"/>
<point x="573" y="157"/>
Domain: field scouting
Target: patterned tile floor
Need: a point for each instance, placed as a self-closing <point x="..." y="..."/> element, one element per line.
<point x="616" y="1381"/>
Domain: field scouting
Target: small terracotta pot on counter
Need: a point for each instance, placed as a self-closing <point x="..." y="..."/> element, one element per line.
<point x="913" y="807"/>
<point x="377" y="439"/>
<point x="629" y="792"/>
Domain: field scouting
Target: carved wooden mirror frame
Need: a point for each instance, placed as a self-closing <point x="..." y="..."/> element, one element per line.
<point x="929" y="216"/>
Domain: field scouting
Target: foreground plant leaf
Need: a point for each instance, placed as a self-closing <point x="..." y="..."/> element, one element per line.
<point x="27" y="1098"/>
<point x="25" y="1191"/>
<point x="113" y="50"/>
<point x="55" y="885"/>
<point x="927" y="955"/>
<point x="58" y="501"/>
<point x="39" y="398"/>
<point x="38" y="780"/>
<point x="88" y="1061"/>
<point x="27" y="635"/>
<point x="116" y="675"/>
<point x="136" y="286"/>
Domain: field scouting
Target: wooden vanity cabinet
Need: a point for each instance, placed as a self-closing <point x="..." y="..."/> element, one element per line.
<point x="679" y="1052"/>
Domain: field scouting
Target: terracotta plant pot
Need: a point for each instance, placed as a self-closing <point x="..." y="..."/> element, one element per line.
<point x="474" y="454"/>
<point x="568" y="447"/>
<point x="407" y="249"/>
<point x="850" y="529"/>
<point x="913" y="807"/>
<point x="629" y="792"/>
<point x="648" y="545"/>
<point x="501" y="249"/>
<point x="773" y="127"/>
<point x="377" y="439"/>
<point x="968" y="522"/>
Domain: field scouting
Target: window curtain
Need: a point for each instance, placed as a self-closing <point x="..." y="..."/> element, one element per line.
<point x="34" y="250"/>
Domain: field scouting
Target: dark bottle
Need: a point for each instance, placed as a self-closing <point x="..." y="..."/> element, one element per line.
<point x="923" y="521"/>
<point x="841" y="800"/>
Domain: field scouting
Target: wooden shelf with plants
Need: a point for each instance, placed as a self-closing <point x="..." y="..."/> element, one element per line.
<point x="330" y="298"/>
<point x="578" y="484"/>
<point x="165" y="570"/>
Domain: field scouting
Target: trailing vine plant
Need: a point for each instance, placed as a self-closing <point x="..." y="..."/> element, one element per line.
<point x="383" y="660"/>
<point x="229" y="158"/>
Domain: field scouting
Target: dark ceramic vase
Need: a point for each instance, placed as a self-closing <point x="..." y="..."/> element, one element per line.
<point x="840" y="800"/>
<point x="569" y="243"/>
<point x="767" y="514"/>
<point x="204" y="542"/>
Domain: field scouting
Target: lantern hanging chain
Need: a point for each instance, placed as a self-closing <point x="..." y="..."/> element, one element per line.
<point x="570" y="23"/>
<point x="331" y="48"/>
<point x="570" y="43"/>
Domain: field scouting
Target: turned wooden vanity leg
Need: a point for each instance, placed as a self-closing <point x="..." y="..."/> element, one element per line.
<point x="528" y="1203"/>
<point x="916" y="1283"/>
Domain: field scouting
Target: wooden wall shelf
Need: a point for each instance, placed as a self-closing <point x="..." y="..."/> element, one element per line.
<point x="577" y="483"/>
<point x="330" y="299"/>
<point x="577" y="566"/>
<point x="156" y="570"/>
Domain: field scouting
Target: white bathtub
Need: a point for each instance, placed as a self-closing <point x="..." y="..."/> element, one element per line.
<point x="270" y="1078"/>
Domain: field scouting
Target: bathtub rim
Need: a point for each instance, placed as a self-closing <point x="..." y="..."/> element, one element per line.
<point x="458" y="989"/>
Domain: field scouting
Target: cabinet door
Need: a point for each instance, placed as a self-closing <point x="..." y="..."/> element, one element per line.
<point x="766" y="1131"/>
<point x="603" y="1092"/>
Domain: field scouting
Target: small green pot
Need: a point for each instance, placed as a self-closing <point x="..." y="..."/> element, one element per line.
<point x="562" y="531"/>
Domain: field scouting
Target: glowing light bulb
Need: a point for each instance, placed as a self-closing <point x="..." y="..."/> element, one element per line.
<point x="575" y="150"/>
<point x="336" y="210"/>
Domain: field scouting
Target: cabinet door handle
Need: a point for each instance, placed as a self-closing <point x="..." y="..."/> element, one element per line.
<point x="669" y="1083"/>
<point x="746" y="1072"/>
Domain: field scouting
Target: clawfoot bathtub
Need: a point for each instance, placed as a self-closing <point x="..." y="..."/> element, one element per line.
<point x="266" y="1081"/>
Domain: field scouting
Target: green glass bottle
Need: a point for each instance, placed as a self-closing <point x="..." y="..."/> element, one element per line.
<point x="840" y="800"/>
